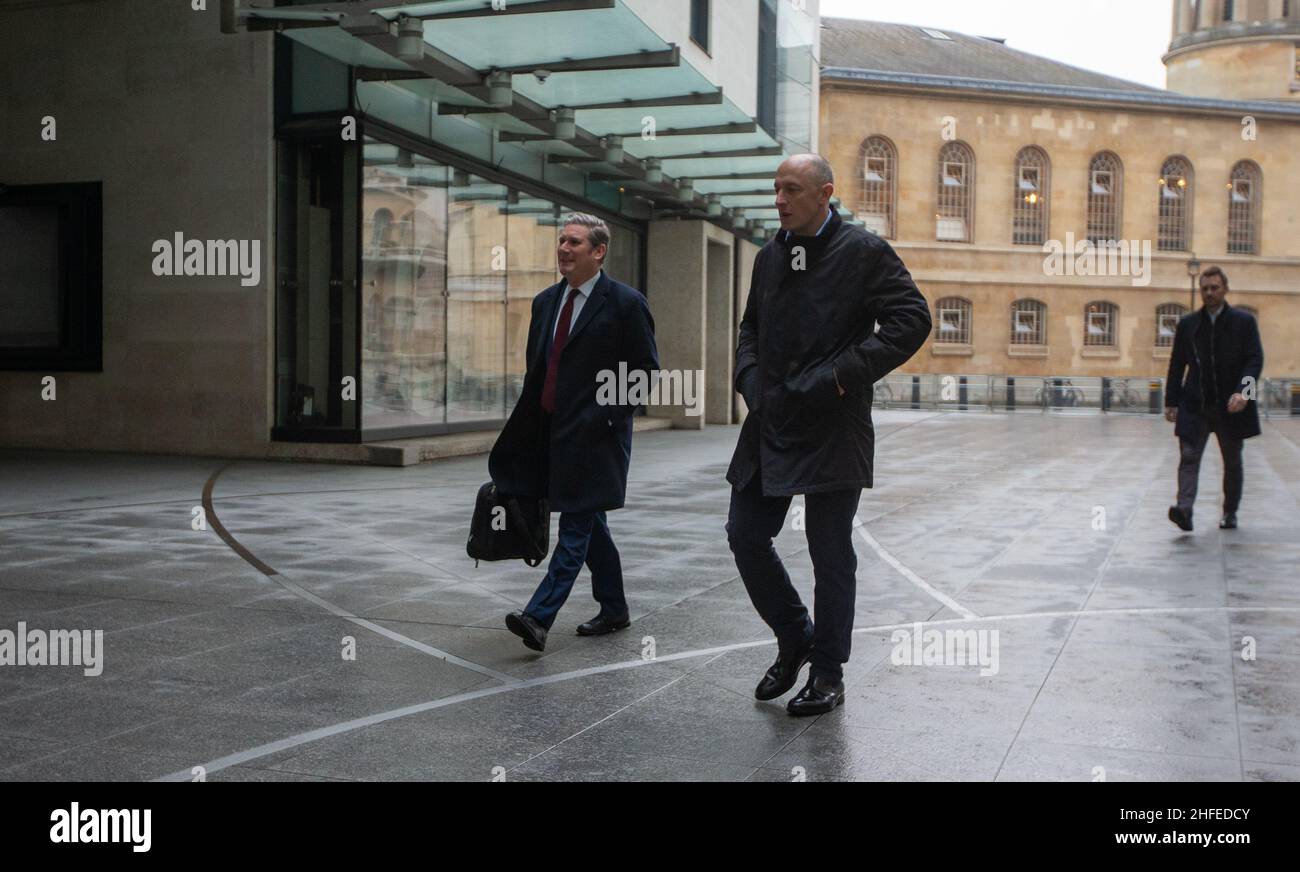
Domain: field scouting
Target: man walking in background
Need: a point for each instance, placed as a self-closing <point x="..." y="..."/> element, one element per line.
<point x="1219" y="349"/>
<point x="561" y="442"/>
<point x="806" y="362"/>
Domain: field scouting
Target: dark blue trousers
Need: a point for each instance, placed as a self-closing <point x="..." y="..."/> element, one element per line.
<point x="583" y="538"/>
<point x="752" y="522"/>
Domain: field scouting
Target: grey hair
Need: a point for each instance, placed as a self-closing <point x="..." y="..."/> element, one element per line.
<point x="597" y="230"/>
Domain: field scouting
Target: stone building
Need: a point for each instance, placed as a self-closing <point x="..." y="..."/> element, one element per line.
<point x="991" y="170"/>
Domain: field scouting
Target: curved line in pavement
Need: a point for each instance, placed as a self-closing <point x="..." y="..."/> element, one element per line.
<point x="295" y="741"/>
<point x="298" y="591"/>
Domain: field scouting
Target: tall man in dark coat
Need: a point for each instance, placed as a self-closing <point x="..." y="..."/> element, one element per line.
<point x="564" y="442"/>
<point x="1219" y="349"/>
<point x="806" y="363"/>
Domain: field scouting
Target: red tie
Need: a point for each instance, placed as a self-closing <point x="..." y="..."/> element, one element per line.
<point x="557" y="348"/>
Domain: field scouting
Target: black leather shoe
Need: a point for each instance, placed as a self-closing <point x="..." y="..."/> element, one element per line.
<point x="819" y="696"/>
<point x="602" y="624"/>
<point x="525" y="626"/>
<point x="1229" y="521"/>
<point x="1181" y="517"/>
<point x="783" y="673"/>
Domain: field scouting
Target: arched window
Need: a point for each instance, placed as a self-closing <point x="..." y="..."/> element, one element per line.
<point x="952" y="321"/>
<point x="1174" y="232"/>
<point x="379" y="227"/>
<point x="1244" y="198"/>
<point x="955" y="200"/>
<point x="1228" y="8"/>
<point x="1030" y="208"/>
<point x="879" y="165"/>
<point x="1167" y="318"/>
<point x="1099" y="324"/>
<point x="1028" y="322"/>
<point x="1105" y="197"/>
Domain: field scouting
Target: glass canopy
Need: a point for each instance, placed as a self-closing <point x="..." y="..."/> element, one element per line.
<point x="595" y="58"/>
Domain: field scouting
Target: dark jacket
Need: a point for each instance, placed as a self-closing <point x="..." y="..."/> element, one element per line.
<point x="801" y="328"/>
<point x="1232" y="352"/>
<point x="583" y="465"/>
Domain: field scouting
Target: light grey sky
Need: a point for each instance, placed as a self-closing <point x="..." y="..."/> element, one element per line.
<point x="1123" y="38"/>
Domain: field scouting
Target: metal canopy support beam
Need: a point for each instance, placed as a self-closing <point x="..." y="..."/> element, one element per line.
<point x="735" y="127"/>
<point x="361" y="8"/>
<point x="669" y="57"/>
<point x="382" y="74"/>
<point x="758" y="175"/>
<point x="762" y="151"/>
<point x="694" y="99"/>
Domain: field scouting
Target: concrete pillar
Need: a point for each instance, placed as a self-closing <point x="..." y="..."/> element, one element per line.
<point x="688" y="283"/>
<point x="720" y="342"/>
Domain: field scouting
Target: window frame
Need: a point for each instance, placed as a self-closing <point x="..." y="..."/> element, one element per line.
<point x="1245" y="220"/>
<point x="1105" y="219"/>
<point x="1174" y="225"/>
<point x="701" y="17"/>
<point x="1031" y="222"/>
<point x="81" y="290"/>
<point x="1176" y="311"/>
<point x="886" y="196"/>
<point x="961" y="196"/>
<point x="964" y="311"/>
<point x="1110" y="312"/>
<point x="1038" y="309"/>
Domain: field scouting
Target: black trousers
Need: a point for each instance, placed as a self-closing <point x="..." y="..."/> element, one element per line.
<point x="752" y="522"/>
<point x="1189" y="465"/>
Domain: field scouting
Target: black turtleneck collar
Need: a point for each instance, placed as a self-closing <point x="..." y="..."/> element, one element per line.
<point x="789" y="240"/>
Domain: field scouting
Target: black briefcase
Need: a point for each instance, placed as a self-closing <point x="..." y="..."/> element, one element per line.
<point x="509" y="528"/>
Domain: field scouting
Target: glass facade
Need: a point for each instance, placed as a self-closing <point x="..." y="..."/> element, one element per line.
<point x="786" y="35"/>
<point x="450" y="264"/>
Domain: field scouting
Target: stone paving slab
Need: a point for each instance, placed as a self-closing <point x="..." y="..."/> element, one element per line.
<point x="1119" y="638"/>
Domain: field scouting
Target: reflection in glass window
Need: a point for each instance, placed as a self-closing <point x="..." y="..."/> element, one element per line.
<point x="1105" y="197"/>
<point x="1167" y="318"/>
<point x="952" y="321"/>
<point x="1243" y="208"/>
<point x="403" y="300"/>
<point x="1175" y="207"/>
<point x="876" y="206"/>
<point x="1028" y="322"/>
<point x="1099" y="324"/>
<point x="1029" y="204"/>
<point x="955" y="198"/>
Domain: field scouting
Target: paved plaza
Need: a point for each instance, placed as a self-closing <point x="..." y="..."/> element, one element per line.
<point x="1119" y="640"/>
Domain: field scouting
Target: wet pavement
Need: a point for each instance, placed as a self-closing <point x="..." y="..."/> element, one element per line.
<point x="1065" y="629"/>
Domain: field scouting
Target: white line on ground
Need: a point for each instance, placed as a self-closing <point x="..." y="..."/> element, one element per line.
<point x="392" y="634"/>
<point x="291" y="742"/>
<point x="909" y="574"/>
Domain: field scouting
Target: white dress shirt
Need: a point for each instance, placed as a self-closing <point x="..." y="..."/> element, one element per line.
<point x="584" y="291"/>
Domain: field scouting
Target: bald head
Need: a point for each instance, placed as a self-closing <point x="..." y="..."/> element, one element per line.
<point x="804" y="185"/>
<point x="813" y="167"/>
